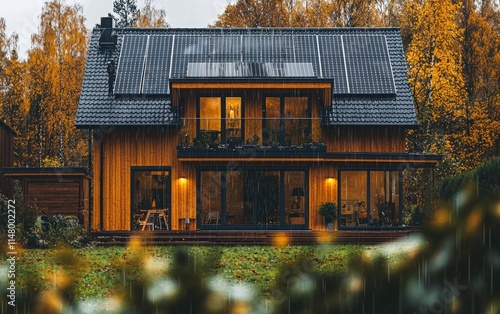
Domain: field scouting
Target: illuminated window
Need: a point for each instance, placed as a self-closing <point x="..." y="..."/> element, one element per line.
<point x="220" y="119"/>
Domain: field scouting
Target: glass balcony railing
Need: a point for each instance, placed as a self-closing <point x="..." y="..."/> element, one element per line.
<point x="268" y="134"/>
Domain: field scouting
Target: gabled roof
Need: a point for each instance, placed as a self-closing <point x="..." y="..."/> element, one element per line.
<point x="367" y="67"/>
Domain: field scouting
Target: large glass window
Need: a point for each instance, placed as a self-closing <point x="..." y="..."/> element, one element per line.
<point x="220" y="119"/>
<point x="353" y="195"/>
<point x="233" y="119"/>
<point x="210" y="196"/>
<point x="295" y="197"/>
<point x="286" y="121"/>
<point x="150" y="198"/>
<point x="252" y="198"/>
<point x="370" y="198"/>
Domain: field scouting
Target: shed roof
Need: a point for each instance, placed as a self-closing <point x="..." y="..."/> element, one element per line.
<point x="367" y="66"/>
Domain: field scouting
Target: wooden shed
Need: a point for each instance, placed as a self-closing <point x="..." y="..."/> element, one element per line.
<point x="56" y="191"/>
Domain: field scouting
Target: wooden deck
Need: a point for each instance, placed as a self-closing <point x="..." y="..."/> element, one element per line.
<point x="105" y="238"/>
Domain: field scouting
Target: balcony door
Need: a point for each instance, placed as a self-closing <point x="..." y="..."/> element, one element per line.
<point x="286" y="120"/>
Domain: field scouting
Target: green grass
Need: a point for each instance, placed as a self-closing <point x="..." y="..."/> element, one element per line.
<point x="100" y="271"/>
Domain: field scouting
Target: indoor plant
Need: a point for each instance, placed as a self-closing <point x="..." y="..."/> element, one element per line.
<point x="329" y="211"/>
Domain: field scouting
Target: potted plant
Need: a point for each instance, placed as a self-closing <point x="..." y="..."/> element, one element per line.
<point x="308" y="141"/>
<point x="252" y="142"/>
<point x="329" y="211"/>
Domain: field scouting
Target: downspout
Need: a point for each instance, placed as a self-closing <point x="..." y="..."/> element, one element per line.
<point x="91" y="182"/>
<point x="101" y="176"/>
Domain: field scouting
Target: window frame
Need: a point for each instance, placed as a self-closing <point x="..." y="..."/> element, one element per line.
<point x="134" y="169"/>
<point x="223" y="225"/>
<point x="369" y="169"/>
<point x="222" y="96"/>
<point x="282" y="97"/>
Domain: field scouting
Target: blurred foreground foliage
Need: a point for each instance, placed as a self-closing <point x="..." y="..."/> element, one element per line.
<point x="457" y="272"/>
<point x="453" y="273"/>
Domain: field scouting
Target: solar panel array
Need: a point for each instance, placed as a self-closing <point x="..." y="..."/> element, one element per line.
<point x="358" y="64"/>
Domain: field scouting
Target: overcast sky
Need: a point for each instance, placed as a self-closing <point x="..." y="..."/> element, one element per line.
<point x="22" y="16"/>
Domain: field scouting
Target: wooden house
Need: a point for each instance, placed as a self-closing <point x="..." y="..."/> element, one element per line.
<point x="251" y="129"/>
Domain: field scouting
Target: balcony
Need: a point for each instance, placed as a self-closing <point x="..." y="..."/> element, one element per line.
<point x="270" y="138"/>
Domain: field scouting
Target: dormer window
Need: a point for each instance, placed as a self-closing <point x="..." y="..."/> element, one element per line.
<point x="220" y="119"/>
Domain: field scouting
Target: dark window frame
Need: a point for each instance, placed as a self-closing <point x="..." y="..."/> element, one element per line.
<point x="369" y="169"/>
<point x="134" y="169"/>
<point x="222" y="96"/>
<point x="282" y="97"/>
<point x="254" y="226"/>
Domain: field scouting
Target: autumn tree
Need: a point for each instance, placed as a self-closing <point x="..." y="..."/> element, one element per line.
<point x="481" y="68"/>
<point x="13" y="91"/>
<point x="298" y="13"/>
<point x="435" y="75"/>
<point x="255" y="13"/>
<point x="150" y="16"/>
<point x="125" y="12"/>
<point x="15" y="101"/>
<point x="56" y="64"/>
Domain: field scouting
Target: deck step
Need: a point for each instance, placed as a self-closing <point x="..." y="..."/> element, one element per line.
<point x="226" y="238"/>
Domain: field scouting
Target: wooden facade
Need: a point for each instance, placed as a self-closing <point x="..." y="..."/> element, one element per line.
<point x="117" y="152"/>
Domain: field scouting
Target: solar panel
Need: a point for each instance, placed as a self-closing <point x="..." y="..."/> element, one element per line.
<point x="368" y="65"/>
<point x="225" y="48"/>
<point x="332" y="62"/>
<point x="194" y="48"/>
<point x="248" y="69"/>
<point x="306" y="50"/>
<point x="298" y="70"/>
<point x="131" y="64"/>
<point x="157" y="65"/>
<point x="252" y="48"/>
<point x="269" y="48"/>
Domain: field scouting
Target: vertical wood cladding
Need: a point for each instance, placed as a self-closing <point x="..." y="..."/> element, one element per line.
<point x="123" y="148"/>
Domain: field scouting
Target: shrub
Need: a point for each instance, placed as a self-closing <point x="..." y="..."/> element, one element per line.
<point x="414" y="216"/>
<point x="57" y="230"/>
<point x="486" y="179"/>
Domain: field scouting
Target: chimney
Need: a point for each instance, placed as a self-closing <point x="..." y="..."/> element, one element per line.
<point x="108" y="38"/>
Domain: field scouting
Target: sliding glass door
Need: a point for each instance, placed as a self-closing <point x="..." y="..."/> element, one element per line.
<point x="252" y="199"/>
<point x="370" y="198"/>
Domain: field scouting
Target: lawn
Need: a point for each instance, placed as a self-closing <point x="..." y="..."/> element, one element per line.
<point x="101" y="271"/>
